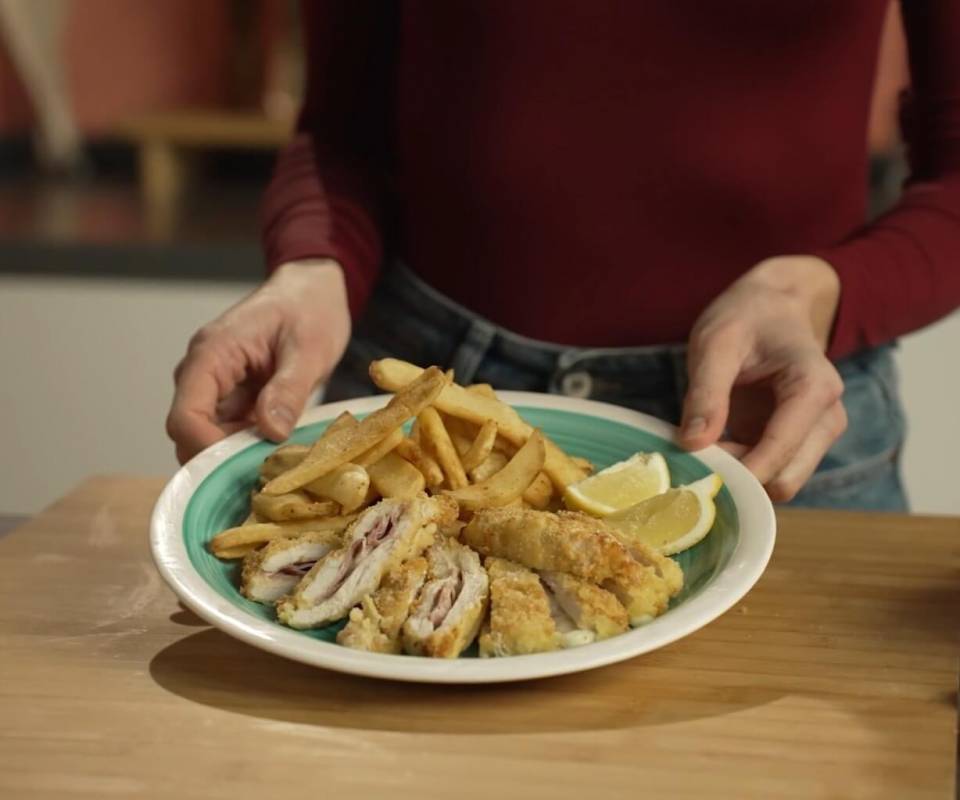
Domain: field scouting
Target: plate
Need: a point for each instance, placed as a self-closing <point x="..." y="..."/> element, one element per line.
<point x="211" y="492"/>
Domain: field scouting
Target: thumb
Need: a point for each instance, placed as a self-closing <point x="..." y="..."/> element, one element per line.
<point x="283" y="397"/>
<point x="712" y="369"/>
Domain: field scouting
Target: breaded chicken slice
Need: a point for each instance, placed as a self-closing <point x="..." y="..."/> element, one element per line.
<point x="382" y="537"/>
<point x="520" y="619"/>
<point x="665" y="567"/>
<point x="587" y="605"/>
<point x="573" y="543"/>
<point x="376" y="624"/>
<point x="642" y="593"/>
<point x="274" y="570"/>
<point x="451" y="605"/>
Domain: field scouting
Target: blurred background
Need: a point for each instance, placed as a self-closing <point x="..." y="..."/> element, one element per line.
<point x="135" y="139"/>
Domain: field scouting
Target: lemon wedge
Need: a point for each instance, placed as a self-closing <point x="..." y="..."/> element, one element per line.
<point x="620" y="486"/>
<point x="670" y="522"/>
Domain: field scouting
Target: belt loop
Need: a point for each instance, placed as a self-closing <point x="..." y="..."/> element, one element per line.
<point x="472" y="349"/>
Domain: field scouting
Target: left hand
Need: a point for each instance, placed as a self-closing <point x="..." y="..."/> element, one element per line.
<point x="759" y="382"/>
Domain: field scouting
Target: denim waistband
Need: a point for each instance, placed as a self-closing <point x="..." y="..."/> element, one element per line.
<point x="409" y="319"/>
<point x="480" y="336"/>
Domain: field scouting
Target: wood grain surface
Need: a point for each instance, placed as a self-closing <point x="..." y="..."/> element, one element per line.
<point x="10" y="521"/>
<point x="836" y="677"/>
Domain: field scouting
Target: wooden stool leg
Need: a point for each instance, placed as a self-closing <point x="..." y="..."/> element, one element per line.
<point x="164" y="171"/>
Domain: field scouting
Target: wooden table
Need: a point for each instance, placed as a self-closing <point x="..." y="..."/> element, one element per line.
<point x="10" y="521"/>
<point x="836" y="677"/>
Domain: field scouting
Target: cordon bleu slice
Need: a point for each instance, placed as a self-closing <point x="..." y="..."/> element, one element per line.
<point x="520" y="620"/>
<point x="588" y="607"/>
<point x="274" y="570"/>
<point x="382" y="537"/>
<point x="575" y="544"/>
<point x="450" y="606"/>
<point x="376" y="624"/>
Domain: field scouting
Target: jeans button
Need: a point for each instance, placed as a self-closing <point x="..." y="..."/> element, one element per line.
<point x="577" y="384"/>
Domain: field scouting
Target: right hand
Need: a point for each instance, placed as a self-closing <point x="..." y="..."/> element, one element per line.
<point x="258" y="363"/>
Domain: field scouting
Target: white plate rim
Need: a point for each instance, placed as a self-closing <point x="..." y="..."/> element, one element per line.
<point x="757" y="523"/>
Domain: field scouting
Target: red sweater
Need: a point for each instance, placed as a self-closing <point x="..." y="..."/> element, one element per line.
<point x="594" y="172"/>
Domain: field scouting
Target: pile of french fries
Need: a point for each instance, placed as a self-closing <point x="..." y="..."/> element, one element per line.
<point x="463" y="441"/>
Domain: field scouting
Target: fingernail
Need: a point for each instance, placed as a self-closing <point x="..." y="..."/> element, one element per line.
<point x="283" y="416"/>
<point x="695" y="426"/>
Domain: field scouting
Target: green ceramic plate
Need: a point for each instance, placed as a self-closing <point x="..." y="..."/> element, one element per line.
<point x="211" y="494"/>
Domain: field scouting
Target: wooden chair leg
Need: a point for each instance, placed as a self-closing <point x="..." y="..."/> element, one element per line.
<point x="164" y="172"/>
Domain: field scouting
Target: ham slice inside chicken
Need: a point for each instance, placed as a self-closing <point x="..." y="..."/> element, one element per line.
<point x="298" y="569"/>
<point x="445" y="592"/>
<point x="450" y="604"/>
<point x="359" y="549"/>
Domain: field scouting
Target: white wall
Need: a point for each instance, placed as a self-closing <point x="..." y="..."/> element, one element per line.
<point x="930" y="386"/>
<point x="85" y="378"/>
<point x="85" y="381"/>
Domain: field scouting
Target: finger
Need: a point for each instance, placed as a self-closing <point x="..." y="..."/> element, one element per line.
<point x="800" y="405"/>
<point x="191" y="421"/>
<point x="239" y="403"/>
<point x="282" y="399"/>
<point x="712" y="369"/>
<point x="735" y="449"/>
<point x="797" y="472"/>
<point x="184" y="454"/>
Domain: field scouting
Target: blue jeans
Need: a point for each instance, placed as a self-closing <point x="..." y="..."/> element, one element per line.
<point x="410" y="320"/>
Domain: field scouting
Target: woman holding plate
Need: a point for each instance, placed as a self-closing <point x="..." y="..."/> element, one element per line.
<point x="655" y="205"/>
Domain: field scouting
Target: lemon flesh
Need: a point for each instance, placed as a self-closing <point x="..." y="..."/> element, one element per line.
<point x="620" y="486"/>
<point x="670" y="522"/>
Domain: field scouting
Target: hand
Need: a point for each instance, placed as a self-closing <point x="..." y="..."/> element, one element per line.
<point x="759" y="381"/>
<point x="258" y="362"/>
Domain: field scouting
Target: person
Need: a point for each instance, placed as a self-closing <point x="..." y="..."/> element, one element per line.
<point x="654" y="204"/>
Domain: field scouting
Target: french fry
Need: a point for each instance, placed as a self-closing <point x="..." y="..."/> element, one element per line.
<point x="392" y="375"/>
<point x="483" y="389"/>
<point x="462" y="433"/>
<point x="344" y="445"/>
<point x="508" y="484"/>
<point x="240" y="551"/>
<point x="412" y="452"/>
<point x="505" y="446"/>
<point x="346" y="485"/>
<point x="263" y="532"/>
<point x="282" y="459"/>
<point x="436" y="441"/>
<point x="392" y="476"/>
<point x="342" y="421"/>
<point x="289" y="455"/>
<point x="585" y="464"/>
<point x="538" y="493"/>
<point x="379" y="450"/>
<point x="481" y="446"/>
<point x="292" y="506"/>
<point x="493" y="463"/>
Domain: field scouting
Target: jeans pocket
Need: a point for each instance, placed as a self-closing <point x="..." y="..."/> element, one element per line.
<point x="861" y="470"/>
